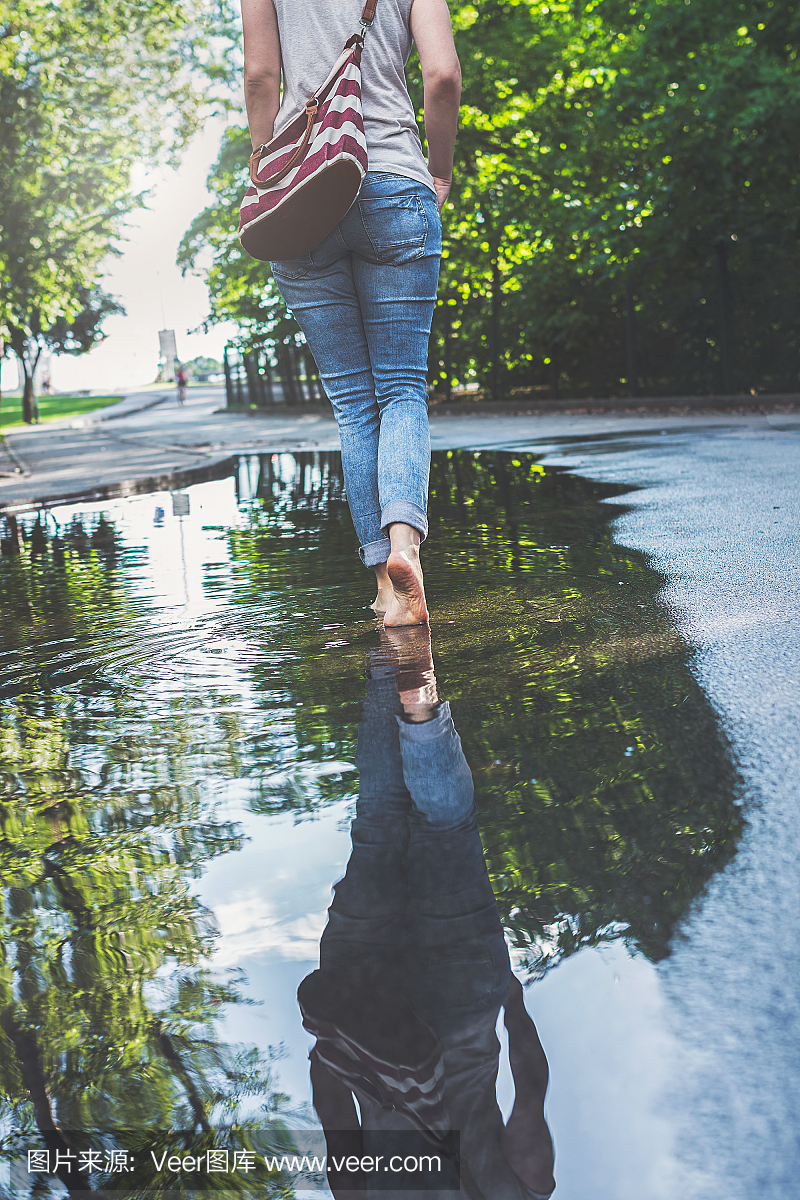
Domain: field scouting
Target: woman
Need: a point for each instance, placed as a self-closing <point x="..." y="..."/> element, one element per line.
<point x="364" y="298"/>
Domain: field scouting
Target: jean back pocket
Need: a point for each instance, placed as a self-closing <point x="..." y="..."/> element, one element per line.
<point x="396" y="227"/>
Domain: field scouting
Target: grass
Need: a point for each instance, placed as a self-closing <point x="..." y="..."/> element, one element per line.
<point x="51" y="408"/>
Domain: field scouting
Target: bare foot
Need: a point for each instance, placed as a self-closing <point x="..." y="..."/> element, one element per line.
<point x="385" y="591"/>
<point x="407" y="606"/>
<point x="416" y="682"/>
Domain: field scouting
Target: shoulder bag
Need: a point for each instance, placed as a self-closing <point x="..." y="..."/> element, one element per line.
<point x="303" y="182"/>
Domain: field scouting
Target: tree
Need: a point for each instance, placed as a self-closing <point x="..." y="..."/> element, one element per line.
<point x="241" y="288"/>
<point x="67" y="335"/>
<point x="611" y="158"/>
<point x="109" y="1011"/>
<point x="201" y="367"/>
<point x="86" y="93"/>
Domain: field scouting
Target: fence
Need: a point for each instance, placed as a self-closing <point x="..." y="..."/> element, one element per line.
<point x="269" y="376"/>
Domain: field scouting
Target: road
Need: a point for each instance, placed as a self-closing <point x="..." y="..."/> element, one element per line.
<point x="717" y="510"/>
<point x="135" y="444"/>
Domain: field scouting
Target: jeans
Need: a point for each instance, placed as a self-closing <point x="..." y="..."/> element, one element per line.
<point x="364" y="299"/>
<point x="415" y="907"/>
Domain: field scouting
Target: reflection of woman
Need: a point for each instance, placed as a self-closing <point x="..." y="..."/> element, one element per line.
<point x="364" y="298"/>
<point x="413" y="963"/>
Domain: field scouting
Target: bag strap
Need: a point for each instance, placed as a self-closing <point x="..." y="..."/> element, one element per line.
<point x="368" y="15"/>
<point x="312" y="108"/>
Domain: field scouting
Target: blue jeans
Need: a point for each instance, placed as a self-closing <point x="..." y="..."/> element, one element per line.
<point x="364" y="299"/>
<point x="415" y="907"/>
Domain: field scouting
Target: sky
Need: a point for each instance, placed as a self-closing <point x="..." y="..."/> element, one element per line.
<point x="147" y="283"/>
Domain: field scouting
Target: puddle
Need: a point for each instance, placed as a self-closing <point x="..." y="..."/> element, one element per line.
<point x="182" y="676"/>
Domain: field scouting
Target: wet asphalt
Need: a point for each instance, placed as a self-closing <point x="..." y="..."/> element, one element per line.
<point x="717" y="512"/>
<point x="715" y="504"/>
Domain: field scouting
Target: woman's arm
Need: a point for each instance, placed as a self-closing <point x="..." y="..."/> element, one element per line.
<point x="441" y="77"/>
<point x="262" y="68"/>
<point x="527" y="1143"/>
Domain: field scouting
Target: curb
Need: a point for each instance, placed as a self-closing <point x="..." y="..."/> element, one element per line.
<point x="117" y="416"/>
<point x="622" y="404"/>
<point x="768" y="402"/>
<point x="21" y="467"/>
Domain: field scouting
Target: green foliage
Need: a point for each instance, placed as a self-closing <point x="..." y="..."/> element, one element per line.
<point x="241" y="289"/>
<point x="201" y="367"/>
<point x="615" y="160"/>
<point x="607" y="143"/>
<point x="87" y="92"/>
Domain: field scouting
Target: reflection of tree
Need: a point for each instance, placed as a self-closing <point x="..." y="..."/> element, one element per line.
<point x="606" y="791"/>
<point x="108" y="1008"/>
<point x="298" y="537"/>
<point x="63" y="602"/>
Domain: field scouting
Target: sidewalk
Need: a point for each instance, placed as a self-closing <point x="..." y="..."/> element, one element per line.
<point x="146" y="439"/>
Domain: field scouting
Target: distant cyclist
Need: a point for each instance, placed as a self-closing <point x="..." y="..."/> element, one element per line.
<point x="180" y="379"/>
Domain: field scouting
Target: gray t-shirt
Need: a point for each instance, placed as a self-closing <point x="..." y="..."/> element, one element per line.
<point x="313" y="33"/>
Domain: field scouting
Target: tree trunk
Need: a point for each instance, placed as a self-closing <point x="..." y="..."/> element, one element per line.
<point x="250" y="361"/>
<point x="552" y="372"/>
<point x="238" y="380"/>
<point x="726" y="323"/>
<point x="285" y="366"/>
<point x="31" y="1068"/>
<point x="630" y="338"/>
<point x="448" y="359"/>
<point x="497" y="300"/>
<point x="172" y="1056"/>
<point x="230" y="399"/>
<point x="268" y="379"/>
<point x="27" y="395"/>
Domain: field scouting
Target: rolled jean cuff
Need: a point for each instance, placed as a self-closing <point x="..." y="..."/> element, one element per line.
<point x="427" y="731"/>
<point x="375" y="552"/>
<point x="406" y="512"/>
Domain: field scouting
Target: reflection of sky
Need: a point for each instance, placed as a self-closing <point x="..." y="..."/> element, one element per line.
<point x="599" y="1014"/>
<point x="178" y="548"/>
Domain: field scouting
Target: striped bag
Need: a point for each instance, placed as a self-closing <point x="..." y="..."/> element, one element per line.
<point x="303" y="182"/>
<point x="370" y="1039"/>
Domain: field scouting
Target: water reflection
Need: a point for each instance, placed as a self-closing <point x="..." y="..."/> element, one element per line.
<point x="414" y="966"/>
<point x="157" y="711"/>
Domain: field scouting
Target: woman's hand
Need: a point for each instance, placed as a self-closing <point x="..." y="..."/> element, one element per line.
<point x="442" y="190"/>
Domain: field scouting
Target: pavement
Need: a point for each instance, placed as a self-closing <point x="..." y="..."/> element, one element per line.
<point x="147" y="438"/>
